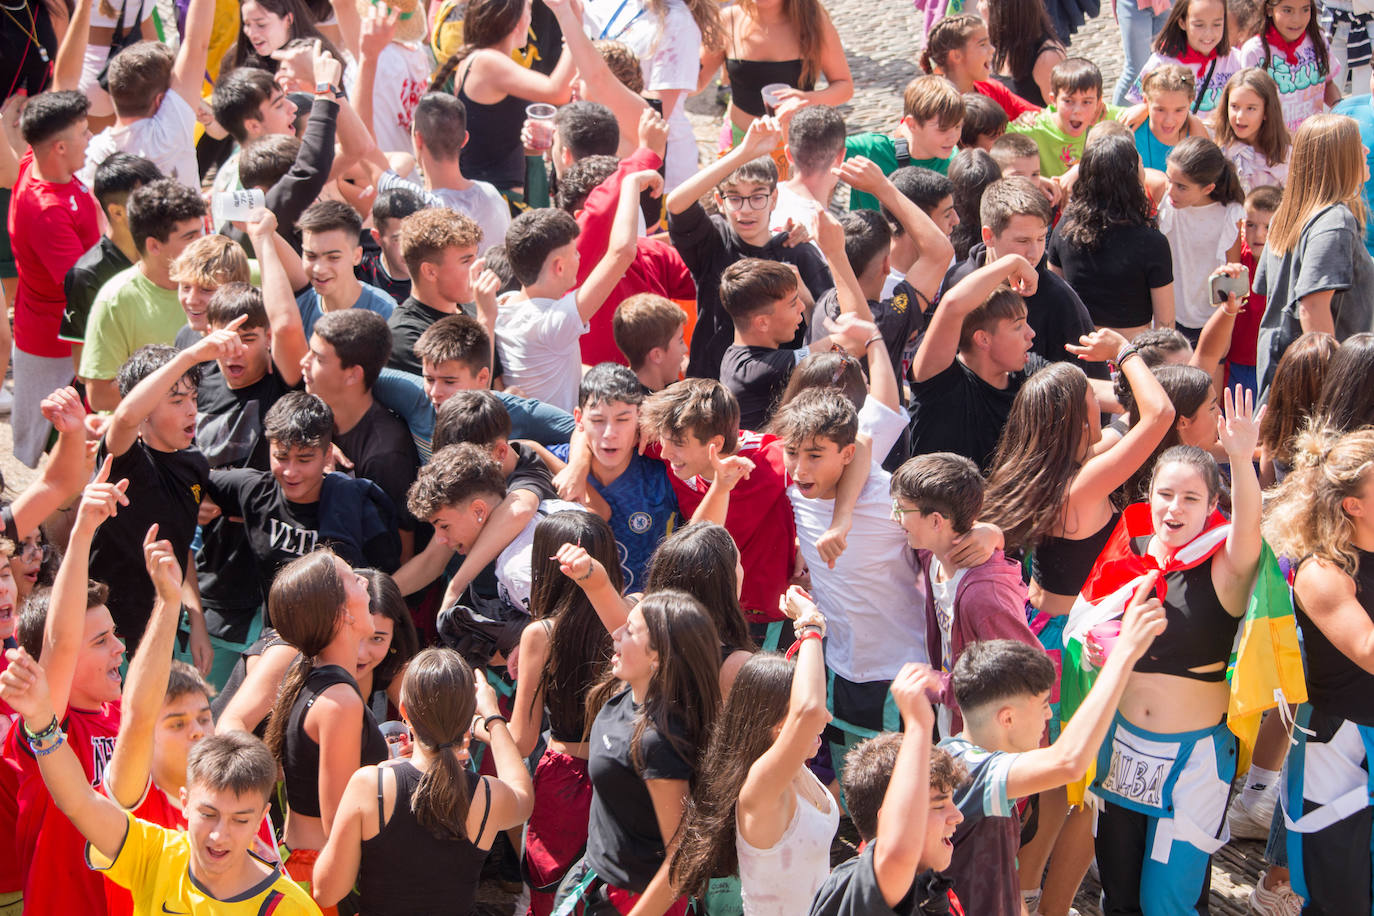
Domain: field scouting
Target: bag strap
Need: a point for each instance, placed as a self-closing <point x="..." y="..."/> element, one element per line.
<point x="1202" y="86"/>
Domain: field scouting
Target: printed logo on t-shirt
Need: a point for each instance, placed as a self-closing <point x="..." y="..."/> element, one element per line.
<point x="293" y="540"/>
<point x="639" y="522"/>
<point x="102" y="749"/>
<point x="195" y="492"/>
<point x="899" y="303"/>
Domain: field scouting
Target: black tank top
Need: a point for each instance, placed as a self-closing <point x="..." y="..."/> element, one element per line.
<point x="406" y="869"/>
<point x="1336" y="685"/>
<point x="495" y="153"/>
<point x="748" y="77"/>
<point x="1026" y="86"/>
<point x="1062" y="565"/>
<point x="301" y="755"/>
<point x="1200" y="631"/>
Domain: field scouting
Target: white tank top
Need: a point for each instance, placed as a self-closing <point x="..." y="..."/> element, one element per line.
<point x="782" y="881"/>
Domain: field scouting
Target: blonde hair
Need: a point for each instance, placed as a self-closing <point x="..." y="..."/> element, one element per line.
<point x="1304" y="516"/>
<point x="210" y="262"/>
<point x="1327" y="168"/>
<point x="1169" y="78"/>
<point x="933" y="97"/>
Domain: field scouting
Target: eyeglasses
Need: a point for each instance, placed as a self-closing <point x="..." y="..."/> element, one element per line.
<point x="756" y="201"/>
<point x="33" y="550"/>
<point x="898" y="511"/>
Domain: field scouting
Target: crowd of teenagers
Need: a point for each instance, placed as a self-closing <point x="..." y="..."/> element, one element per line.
<point x="446" y="474"/>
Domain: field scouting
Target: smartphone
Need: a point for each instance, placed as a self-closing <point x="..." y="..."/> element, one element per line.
<point x="1222" y="286"/>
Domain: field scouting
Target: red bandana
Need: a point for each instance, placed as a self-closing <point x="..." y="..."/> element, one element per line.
<point x="1194" y="58"/>
<point x="1289" y="48"/>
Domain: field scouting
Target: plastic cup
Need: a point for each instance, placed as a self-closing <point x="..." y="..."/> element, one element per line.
<point x="1105" y="635"/>
<point x="771" y="99"/>
<point x="540" y="119"/>
<point x="240" y="206"/>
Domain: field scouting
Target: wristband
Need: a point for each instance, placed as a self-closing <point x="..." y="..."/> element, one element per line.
<point x="44" y="734"/>
<point x="48" y="749"/>
<point x="868" y="343"/>
<point x="801" y="638"/>
<point x="799" y="630"/>
<point x="486" y="723"/>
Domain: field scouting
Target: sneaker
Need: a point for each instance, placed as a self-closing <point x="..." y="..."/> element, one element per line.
<point x="1252" y="821"/>
<point x="1280" y="901"/>
<point x="6" y="401"/>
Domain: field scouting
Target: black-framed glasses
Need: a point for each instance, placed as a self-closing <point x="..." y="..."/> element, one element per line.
<point x="756" y="201"/>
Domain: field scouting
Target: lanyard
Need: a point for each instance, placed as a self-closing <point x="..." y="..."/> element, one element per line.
<point x="616" y="15"/>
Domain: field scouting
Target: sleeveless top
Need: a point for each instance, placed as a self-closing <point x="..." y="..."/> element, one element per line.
<point x="1335" y="684"/>
<point x="495" y="154"/>
<point x="301" y="755"/>
<point x="782" y="880"/>
<point x="1026" y="86"/>
<point x="748" y="77"/>
<point x="1200" y="631"/>
<point x="406" y="869"/>
<point x="1061" y="565"/>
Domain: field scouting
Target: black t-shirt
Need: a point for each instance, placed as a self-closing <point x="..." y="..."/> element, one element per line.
<point x="852" y="890"/>
<point x="756" y="376"/>
<point x="900" y="317"/>
<point x="624" y="845"/>
<point x="956" y="411"/>
<point x="411" y="319"/>
<point x="229" y="431"/>
<point x="1055" y="313"/>
<point x="83" y="282"/>
<point x="530" y="474"/>
<point x="164" y="488"/>
<point x="1114" y="280"/>
<point x="708" y="245"/>
<point x="381" y="449"/>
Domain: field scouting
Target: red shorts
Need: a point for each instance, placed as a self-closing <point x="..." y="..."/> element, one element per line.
<point x="557" y="833"/>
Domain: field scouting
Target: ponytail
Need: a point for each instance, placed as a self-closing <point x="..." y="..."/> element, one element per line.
<point x="275" y="737"/>
<point x="949" y="34"/>
<point x="1204" y="162"/>
<point x="1305" y="515"/>
<point x="439" y="698"/>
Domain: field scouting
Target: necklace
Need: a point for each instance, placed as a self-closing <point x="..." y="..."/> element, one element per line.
<point x="31" y="32"/>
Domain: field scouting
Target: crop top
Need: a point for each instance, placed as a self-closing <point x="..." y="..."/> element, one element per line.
<point x="301" y="755"/>
<point x="748" y="77"/>
<point x="1061" y="565"/>
<point x="1200" y="632"/>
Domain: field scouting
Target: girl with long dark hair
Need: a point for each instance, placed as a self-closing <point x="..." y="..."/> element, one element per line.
<point x="1107" y="244"/>
<point x="656" y="709"/>
<point x="269" y="26"/>
<point x="757" y="811"/>
<point x="1346" y="401"/>
<point x="1193" y="395"/>
<point x="320" y="729"/>
<point x="413" y="833"/>
<point x="1025" y="48"/>
<point x="1298" y="384"/>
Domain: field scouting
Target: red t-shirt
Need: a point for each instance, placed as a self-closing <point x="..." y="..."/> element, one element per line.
<point x="51" y="226"/>
<point x="1011" y="103"/>
<point x="49" y="852"/>
<point x="158" y="808"/>
<point x="759" y="519"/>
<point x="657" y="267"/>
<point x="1245" y="333"/>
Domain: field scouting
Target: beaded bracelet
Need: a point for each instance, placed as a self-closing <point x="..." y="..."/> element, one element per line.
<point x="48" y="749"/>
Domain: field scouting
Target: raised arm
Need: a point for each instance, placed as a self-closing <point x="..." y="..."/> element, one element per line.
<point x="726" y="472"/>
<point x="283" y="315"/>
<point x="602" y="84"/>
<point x="512" y="792"/>
<point x="135" y="407"/>
<point x="901" y="835"/>
<point x="71" y="54"/>
<point x="66" y="470"/>
<point x="126" y="777"/>
<point x="252" y="704"/>
<point x="1104" y="473"/>
<point x="763" y="137"/>
<point x="591" y="295"/>
<point x="188" y="70"/>
<point x="1234" y="566"/>
<point x="65" y="625"/>
<point x="378" y="29"/>
<point x="1068" y="758"/>
<point x="24" y="686"/>
<point x="590" y="576"/>
<point x="941" y="342"/>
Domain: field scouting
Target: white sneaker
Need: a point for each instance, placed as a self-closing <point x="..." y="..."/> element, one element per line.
<point x="1252" y="821"/>
<point x="1281" y="901"/>
<point x="6" y="401"/>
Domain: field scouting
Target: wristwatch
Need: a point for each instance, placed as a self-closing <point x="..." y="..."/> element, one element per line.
<point x="327" y="89"/>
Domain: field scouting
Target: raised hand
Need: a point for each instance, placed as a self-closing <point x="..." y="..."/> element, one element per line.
<point x="861" y="174"/>
<point x="653" y="131"/>
<point x="764" y="136"/>
<point x="24" y="685"/>
<point x="580" y="566"/>
<point x="261" y="228"/>
<point x="101" y="499"/>
<point x="486" y="694"/>
<point x="853" y="331"/>
<point x="63" y="409"/>
<point x="647" y="180"/>
<point x="296" y="70"/>
<point x="327" y="68"/>
<point x="163" y="568"/>
<point x="1024" y="279"/>
<point x="1144" y="618"/>
<point x="1099" y="346"/>
<point x="223" y="343"/>
<point x="729" y="470"/>
<point x="378" y="30"/>
<point x="485" y="285"/>
<point x="828" y="233"/>
<point x="1238" y="426"/>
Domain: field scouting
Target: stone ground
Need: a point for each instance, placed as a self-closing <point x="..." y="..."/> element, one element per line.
<point x="882" y="59"/>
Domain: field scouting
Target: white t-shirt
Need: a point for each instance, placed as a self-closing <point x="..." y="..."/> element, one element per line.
<point x="539" y="347"/>
<point x="669" y="52"/>
<point x="883" y="425"/>
<point x="791" y="205"/>
<point x="167" y="138"/>
<point x="514" y="575"/>
<point x="943" y="595"/>
<point x="480" y="200"/>
<point x="874" y="599"/>
<point x="1199" y="238"/>
<point x="402" y="77"/>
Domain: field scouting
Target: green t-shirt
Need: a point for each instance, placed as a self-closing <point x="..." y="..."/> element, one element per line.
<point x="882" y="150"/>
<point x="130" y="311"/>
<point x="1058" y="151"/>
